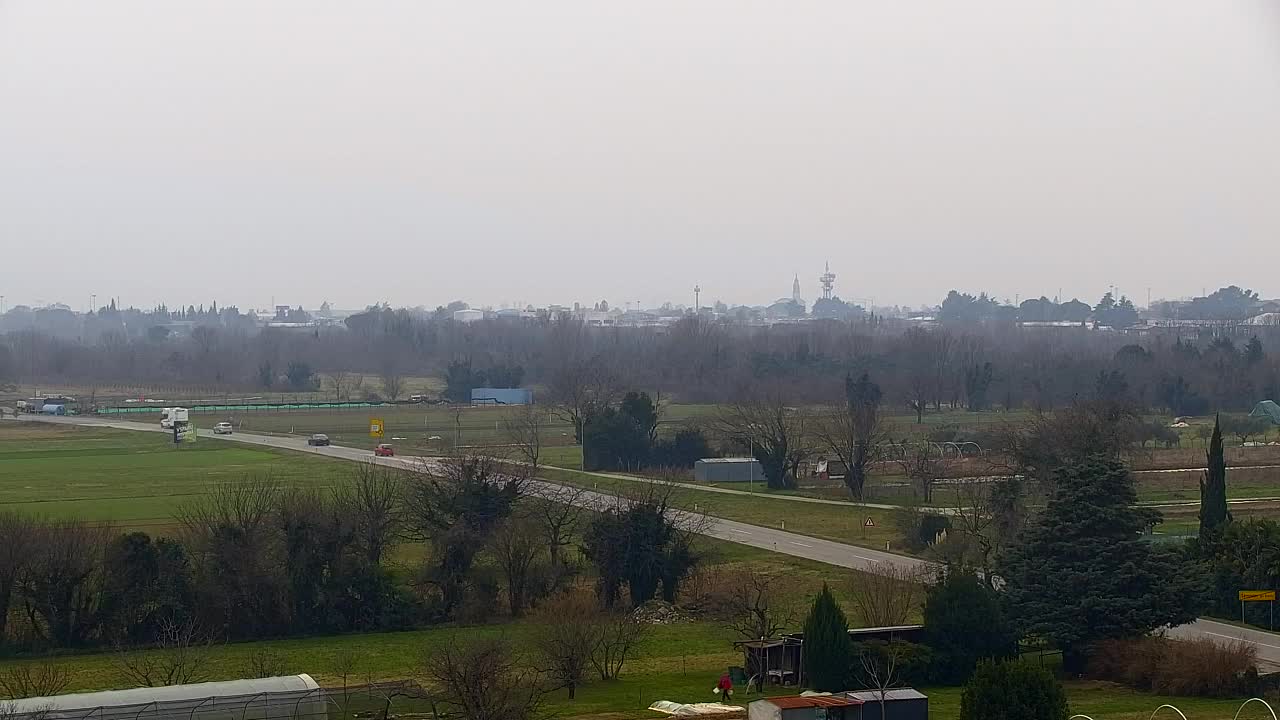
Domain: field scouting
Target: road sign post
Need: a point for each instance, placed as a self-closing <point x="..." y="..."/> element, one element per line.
<point x="376" y="427"/>
<point x="1267" y="596"/>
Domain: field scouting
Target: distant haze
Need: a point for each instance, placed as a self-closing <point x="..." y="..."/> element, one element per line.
<point x="540" y="152"/>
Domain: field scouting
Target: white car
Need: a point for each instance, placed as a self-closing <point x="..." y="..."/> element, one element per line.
<point x="222" y="428"/>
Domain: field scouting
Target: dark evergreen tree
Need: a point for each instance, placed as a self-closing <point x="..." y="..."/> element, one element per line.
<point x="1213" y="486"/>
<point x="1013" y="691"/>
<point x="827" y="650"/>
<point x="964" y="624"/>
<point x="1082" y="571"/>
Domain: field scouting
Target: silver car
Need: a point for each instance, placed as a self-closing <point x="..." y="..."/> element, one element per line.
<point x="223" y="428"/>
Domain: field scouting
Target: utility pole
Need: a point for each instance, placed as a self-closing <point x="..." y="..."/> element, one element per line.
<point x="697" y="298"/>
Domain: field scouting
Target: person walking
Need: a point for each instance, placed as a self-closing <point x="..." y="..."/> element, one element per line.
<point x="725" y="688"/>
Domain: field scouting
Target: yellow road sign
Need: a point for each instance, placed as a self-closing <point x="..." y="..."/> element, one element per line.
<point x="1257" y="595"/>
<point x="375" y="427"/>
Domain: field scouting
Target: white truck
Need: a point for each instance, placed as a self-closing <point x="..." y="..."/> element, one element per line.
<point x="171" y="417"/>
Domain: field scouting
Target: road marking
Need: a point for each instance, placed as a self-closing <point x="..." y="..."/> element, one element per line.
<point x="793" y="542"/>
<point x="870" y="560"/>
<point x="740" y="532"/>
<point x="1233" y="637"/>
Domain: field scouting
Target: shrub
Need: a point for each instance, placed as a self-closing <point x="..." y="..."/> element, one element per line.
<point x="1012" y="691"/>
<point x="1196" y="668"/>
<point x="827" y="650"/>
<point x="964" y="624"/>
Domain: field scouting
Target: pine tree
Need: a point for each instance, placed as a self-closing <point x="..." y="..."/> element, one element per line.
<point x="827" y="651"/>
<point x="965" y="624"/>
<point x="1082" y="572"/>
<point x="1213" y="486"/>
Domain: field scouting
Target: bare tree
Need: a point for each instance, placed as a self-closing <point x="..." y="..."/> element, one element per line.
<point x="346" y="661"/>
<point x="524" y="429"/>
<point x="974" y="520"/>
<point x="34" y="680"/>
<point x="392" y="379"/>
<point x="854" y="433"/>
<point x="338" y="379"/>
<point x="61" y="586"/>
<point x="754" y="609"/>
<point x="566" y="634"/>
<point x="776" y="434"/>
<point x="516" y="548"/>
<point x="922" y="467"/>
<point x="582" y="389"/>
<point x="560" y="513"/>
<point x="882" y="666"/>
<point x="265" y="662"/>
<point x="373" y="502"/>
<point x="180" y="656"/>
<point x="17" y="539"/>
<point x="483" y="679"/>
<point x="887" y="595"/>
<point x="620" y="635"/>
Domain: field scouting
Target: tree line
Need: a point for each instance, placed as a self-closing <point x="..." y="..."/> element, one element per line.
<point x="259" y="559"/>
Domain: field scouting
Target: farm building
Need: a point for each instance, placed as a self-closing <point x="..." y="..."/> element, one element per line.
<point x="806" y="707"/>
<point x="734" y="469"/>
<point x="899" y="704"/>
<point x="501" y="396"/>
<point x="292" y="697"/>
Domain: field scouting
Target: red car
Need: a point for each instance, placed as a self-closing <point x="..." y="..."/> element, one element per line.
<point x="384" y="450"/>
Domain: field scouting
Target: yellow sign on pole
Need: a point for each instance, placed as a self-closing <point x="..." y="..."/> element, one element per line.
<point x="375" y="427"/>
<point x="1257" y="596"/>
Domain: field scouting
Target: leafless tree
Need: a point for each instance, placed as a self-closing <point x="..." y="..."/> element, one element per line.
<point x="61" y="585"/>
<point x="582" y="389"/>
<point x="338" y="379"/>
<point x="854" y="433"/>
<point x="887" y="595"/>
<point x="566" y="634"/>
<point x="974" y="520"/>
<point x="17" y="539"/>
<point x="180" y="656"/>
<point x="620" y="635"/>
<point x="346" y="661"/>
<point x="560" y="512"/>
<point x="483" y="679"/>
<point x="881" y="666"/>
<point x="516" y="548"/>
<point x="356" y="384"/>
<point x="923" y="467"/>
<point x="392" y="378"/>
<point x="372" y="500"/>
<point x="754" y="609"/>
<point x="30" y="680"/>
<point x="264" y="662"/>
<point x="524" y="428"/>
<point x="778" y="435"/>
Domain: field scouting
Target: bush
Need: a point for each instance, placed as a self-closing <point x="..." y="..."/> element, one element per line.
<point x="1194" y="668"/>
<point x="1012" y="691"/>
<point x="682" y="450"/>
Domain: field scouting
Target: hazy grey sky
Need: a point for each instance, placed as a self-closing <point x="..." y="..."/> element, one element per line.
<point x="553" y="151"/>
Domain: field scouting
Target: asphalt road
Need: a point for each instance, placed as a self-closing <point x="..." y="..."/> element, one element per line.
<point x="801" y="546"/>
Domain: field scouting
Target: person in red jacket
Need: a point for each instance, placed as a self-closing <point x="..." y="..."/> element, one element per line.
<point x="725" y="688"/>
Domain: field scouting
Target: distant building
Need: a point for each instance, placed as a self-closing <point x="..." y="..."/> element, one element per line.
<point x="468" y="316"/>
<point x="732" y="469"/>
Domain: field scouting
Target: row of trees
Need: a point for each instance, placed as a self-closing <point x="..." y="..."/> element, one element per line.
<point x="258" y="558"/>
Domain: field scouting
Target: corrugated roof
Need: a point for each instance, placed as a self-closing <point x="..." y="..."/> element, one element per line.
<point x="808" y="701"/>
<point x="867" y="696"/>
<point x="719" y="461"/>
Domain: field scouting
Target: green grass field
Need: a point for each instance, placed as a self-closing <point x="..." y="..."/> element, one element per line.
<point x="134" y="479"/>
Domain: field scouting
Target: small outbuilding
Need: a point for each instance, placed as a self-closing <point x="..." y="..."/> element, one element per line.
<point x="291" y="697"/>
<point x="806" y="707"/>
<point x="730" y="469"/>
<point x="900" y="704"/>
<point x="1267" y="409"/>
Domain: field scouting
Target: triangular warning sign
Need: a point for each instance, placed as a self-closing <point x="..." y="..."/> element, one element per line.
<point x="869" y="523"/>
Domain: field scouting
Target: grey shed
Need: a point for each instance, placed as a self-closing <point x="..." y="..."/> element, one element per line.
<point x="734" y="469"/>
<point x="899" y="704"/>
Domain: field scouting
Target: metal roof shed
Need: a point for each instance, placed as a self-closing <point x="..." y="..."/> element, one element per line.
<point x="291" y="697"/>
<point x="732" y="469"/>
<point x="806" y="707"/>
<point x="899" y="704"/>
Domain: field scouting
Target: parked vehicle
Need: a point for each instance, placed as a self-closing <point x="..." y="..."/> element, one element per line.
<point x="223" y="428"/>
<point x="384" y="450"/>
<point x="318" y="440"/>
<point x="169" y="417"/>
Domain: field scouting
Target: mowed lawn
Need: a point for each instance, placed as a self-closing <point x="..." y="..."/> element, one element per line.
<point x="131" y="478"/>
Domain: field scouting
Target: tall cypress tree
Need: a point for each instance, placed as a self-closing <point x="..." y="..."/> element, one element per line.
<point x="827" y="651"/>
<point x="1213" y="486"/>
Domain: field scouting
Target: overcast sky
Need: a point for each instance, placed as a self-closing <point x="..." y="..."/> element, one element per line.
<point x="553" y="151"/>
